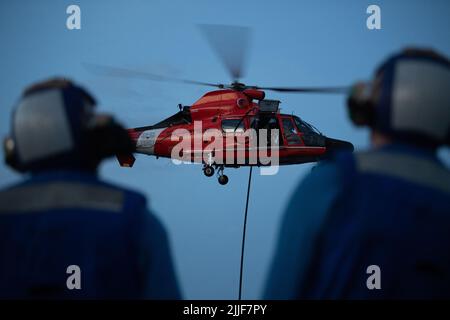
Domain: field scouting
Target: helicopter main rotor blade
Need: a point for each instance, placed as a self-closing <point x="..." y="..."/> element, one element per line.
<point x="135" y="74"/>
<point x="336" y="90"/>
<point x="230" y="44"/>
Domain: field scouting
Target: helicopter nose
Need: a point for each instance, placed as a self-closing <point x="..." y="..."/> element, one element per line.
<point x="334" y="145"/>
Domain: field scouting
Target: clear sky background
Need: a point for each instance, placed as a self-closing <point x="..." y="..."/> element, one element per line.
<point x="294" y="43"/>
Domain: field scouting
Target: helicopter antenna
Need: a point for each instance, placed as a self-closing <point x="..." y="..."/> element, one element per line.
<point x="243" y="233"/>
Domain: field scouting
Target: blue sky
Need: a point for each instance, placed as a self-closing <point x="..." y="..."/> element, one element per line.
<point x="294" y="43"/>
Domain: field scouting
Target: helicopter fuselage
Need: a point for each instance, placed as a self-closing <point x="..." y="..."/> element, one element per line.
<point x="232" y="113"/>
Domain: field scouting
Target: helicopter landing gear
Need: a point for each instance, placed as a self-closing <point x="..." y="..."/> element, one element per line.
<point x="208" y="171"/>
<point x="223" y="179"/>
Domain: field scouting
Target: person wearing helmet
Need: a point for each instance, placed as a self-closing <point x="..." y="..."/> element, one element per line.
<point x="64" y="233"/>
<point x="376" y="224"/>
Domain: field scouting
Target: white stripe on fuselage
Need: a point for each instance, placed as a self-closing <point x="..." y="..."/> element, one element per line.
<point x="146" y="141"/>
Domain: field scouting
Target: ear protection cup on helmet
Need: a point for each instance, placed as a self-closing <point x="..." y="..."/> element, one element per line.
<point x="9" y="151"/>
<point x="360" y="104"/>
<point x="408" y="99"/>
<point x="106" y="138"/>
<point x="58" y="112"/>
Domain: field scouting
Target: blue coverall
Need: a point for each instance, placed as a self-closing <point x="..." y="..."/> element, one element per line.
<point x="388" y="207"/>
<point x="62" y="218"/>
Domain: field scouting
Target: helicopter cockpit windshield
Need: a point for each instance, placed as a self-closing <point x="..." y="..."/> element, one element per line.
<point x="305" y="127"/>
<point x="311" y="136"/>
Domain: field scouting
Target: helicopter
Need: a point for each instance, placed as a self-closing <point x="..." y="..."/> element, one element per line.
<point x="231" y="109"/>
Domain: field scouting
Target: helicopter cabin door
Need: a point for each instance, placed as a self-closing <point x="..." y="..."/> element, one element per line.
<point x="233" y="129"/>
<point x="291" y="135"/>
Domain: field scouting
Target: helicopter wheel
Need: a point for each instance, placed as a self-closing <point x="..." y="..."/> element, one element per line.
<point x="208" y="171"/>
<point x="223" y="179"/>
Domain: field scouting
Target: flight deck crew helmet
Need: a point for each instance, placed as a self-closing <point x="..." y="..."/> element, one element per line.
<point x="409" y="99"/>
<point x="54" y="126"/>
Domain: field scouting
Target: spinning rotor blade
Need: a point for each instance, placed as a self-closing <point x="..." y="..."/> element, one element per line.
<point x="230" y="43"/>
<point x="337" y="90"/>
<point x="135" y="74"/>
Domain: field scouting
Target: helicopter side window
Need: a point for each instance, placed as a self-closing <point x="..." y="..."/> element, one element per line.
<point x="290" y="132"/>
<point x="268" y="122"/>
<point x="229" y="125"/>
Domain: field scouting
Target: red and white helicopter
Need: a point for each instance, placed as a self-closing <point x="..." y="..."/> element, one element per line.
<point x="232" y="109"/>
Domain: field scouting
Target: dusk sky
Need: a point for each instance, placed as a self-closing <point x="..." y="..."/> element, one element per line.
<point x="295" y="43"/>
